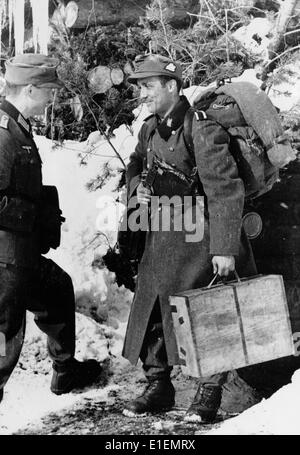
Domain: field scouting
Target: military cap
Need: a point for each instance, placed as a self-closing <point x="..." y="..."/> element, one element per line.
<point x="155" y="65"/>
<point x="35" y="69"/>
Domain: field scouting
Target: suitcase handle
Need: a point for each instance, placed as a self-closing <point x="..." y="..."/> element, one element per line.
<point x="214" y="279"/>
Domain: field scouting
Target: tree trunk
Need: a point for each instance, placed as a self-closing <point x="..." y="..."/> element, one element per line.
<point x="110" y="12"/>
<point x="284" y="15"/>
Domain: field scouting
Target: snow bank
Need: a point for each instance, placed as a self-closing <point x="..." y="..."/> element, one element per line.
<point x="278" y="415"/>
<point x="255" y="36"/>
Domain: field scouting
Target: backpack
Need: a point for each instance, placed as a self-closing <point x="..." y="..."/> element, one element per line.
<point x="257" y="140"/>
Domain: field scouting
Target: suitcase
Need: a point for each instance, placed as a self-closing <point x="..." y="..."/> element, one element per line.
<point x="232" y="325"/>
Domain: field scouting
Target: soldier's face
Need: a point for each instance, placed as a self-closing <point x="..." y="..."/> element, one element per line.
<point x="40" y="98"/>
<point x="156" y="96"/>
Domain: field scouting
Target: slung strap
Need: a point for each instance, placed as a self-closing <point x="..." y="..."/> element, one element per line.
<point x="187" y="133"/>
<point x="188" y="129"/>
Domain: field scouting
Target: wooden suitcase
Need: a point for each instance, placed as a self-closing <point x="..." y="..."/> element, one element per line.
<point x="232" y="325"/>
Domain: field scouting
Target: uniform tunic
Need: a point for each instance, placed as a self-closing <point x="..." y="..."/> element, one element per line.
<point x="28" y="281"/>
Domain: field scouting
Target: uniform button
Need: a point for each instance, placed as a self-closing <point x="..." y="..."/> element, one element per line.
<point x="171" y="149"/>
<point x="148" y="149"/>
<point x="173" y="132"/>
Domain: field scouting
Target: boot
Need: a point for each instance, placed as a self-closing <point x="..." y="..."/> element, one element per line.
<point x="76" y="375"/>
<point x="205" y="404"/>
<point x="159" y="395"/>
<point x="1" y="395"/>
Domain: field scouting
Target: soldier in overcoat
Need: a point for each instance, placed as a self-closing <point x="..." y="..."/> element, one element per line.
<point x="175" y="260"/>
<point x="28" y="280"/>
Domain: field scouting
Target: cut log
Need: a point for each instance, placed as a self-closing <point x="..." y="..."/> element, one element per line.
<point x="117" y="76"/>
<point x="99" y="79"/>
<point x="128" y="68"/>
<point x="59" y="16"/>
<point x="71" y="14"/>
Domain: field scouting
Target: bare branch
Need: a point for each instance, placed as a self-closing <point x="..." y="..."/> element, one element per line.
<point x="283" y="53"/>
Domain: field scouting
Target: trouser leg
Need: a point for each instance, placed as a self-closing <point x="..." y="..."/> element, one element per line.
<point x="217" y="379"/>
<point x="153" y="352"/>
<point x="13" y="294"/>
<point x="54" y="308"/>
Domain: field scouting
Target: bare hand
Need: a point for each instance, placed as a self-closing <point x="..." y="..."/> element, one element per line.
<point x="143" y="194"/>
<point x="223" y="265"/>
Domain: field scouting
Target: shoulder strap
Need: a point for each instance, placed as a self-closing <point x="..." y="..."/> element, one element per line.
<point x="188" y="129"/>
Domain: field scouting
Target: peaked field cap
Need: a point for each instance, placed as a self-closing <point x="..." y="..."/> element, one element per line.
<point x="155" y="65"/>
<point x="35" y="69"/>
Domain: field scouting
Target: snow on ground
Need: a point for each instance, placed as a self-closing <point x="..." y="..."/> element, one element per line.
<point x="27" y="395"/>
<point x="27" y="401"/>
<point x="278" y="415"/>
<point x="286" y="94"/>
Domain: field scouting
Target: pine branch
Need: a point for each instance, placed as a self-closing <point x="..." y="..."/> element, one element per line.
<point x="103" y="133"/>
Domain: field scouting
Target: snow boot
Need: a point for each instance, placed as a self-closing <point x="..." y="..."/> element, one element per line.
<point x="159" y="395"/>
<point x="205" y="404"/>
<point x="76" y="375"/>
<point x="1" y="395"/>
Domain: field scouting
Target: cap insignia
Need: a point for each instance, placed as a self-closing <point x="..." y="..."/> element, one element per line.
<point x="171" y="67"/>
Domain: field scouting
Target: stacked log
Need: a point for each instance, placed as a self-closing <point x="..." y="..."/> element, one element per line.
<point x="102" y="78"/>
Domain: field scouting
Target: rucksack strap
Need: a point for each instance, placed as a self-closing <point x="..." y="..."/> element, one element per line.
<point x="187" y="133"/>
<point x="188" y="129"/>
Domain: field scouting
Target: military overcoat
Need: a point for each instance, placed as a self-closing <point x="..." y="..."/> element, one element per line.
<point x="173" y="261"/>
